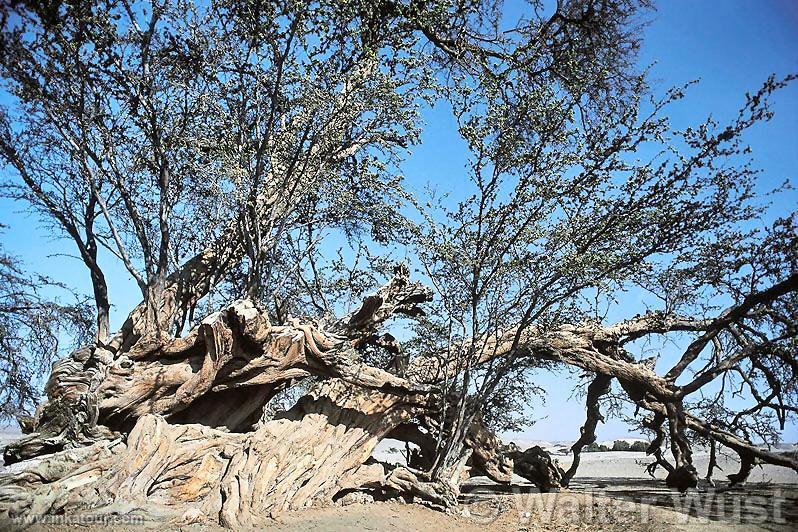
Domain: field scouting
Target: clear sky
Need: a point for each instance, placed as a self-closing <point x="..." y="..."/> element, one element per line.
<point x="731" y="45"/>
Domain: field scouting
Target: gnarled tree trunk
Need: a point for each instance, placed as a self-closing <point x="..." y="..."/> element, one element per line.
<point x="172" y="424"/>
<point x="189" y="407"/>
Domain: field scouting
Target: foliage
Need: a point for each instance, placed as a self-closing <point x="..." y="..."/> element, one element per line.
<point x="33" y="327"/>
<point x="245" y="149"/>
<point x="569" y="203"/>
<point x="621" y="445"/>
<point x="595" y="448"/>
<point x="271" y="124"/>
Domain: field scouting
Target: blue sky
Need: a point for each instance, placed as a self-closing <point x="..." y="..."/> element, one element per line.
<point x="731" y="46"/>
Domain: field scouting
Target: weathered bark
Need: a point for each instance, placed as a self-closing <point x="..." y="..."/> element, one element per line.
<point x="226" y="370"/>
<point x="398" y="296"/>
<point x="747" y="462"/>
<point x="688" y="476"/>
<point x="536" y="465"/>
<point x="489" y="456"/>
<point x="173" y="395"/>
<point x="189" y="408"/>
<point x="654" y="423"/>
<point x="596" y="389"/>
<point x="102" y="304"/>
<point x="684" y="476"/>
<point x="220" y="374"/>
<point x="713" y="462"/>
<point x="305" y="456"/>
<point x="291" y="462"/>
<point x="410" y="483"/>
<point x="34" y="490"/>
<point x="67" y="424"/>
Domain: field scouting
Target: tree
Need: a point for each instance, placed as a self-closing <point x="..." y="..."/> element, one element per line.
<point x="550" y="252"/>
<point x="222" y="143"/>
<point x="150" y="109"/>
<point x="32" y="328"/>
<point x="621" y="445"/>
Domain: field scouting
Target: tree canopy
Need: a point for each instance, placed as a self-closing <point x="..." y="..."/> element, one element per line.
<point x="214" y="148"/>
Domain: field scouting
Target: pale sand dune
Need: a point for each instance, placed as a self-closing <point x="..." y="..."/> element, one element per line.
<point x="7" y="436"/>
<point x="620" y="463"/>
<point x="626" y="464"/>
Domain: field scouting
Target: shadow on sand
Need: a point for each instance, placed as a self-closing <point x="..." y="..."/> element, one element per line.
<point x="768" y="505"/>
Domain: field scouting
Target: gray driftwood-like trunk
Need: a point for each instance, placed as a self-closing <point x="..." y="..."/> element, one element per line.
<point x="173" y="425"/>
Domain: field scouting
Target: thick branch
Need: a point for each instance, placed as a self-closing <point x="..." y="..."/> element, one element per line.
<point x="398" y="296"/>
<point x="600" y="386"/>
<point x="729" y="316"/>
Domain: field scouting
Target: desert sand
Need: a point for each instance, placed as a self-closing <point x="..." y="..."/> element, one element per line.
<point x="572" y="510"/>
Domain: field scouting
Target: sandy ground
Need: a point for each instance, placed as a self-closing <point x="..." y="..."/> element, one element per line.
<point x="565" y="511"/>
<point x="533" y="512"/>
<point x="632" y="465"/>
<point x="608" y="504"/>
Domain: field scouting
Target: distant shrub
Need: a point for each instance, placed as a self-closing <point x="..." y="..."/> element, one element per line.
<point x="595" y="448"/>
<point x="623" y="445"/>
<point x="617" y="445"/>
<point x="620" y="445"/>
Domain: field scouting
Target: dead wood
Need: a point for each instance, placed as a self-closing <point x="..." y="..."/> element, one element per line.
<point x="150" y="421"/>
